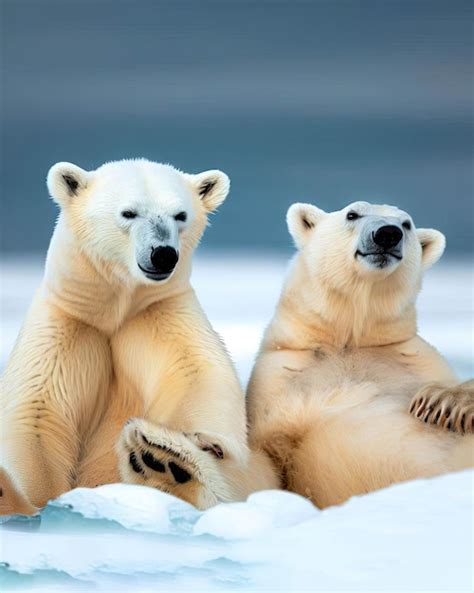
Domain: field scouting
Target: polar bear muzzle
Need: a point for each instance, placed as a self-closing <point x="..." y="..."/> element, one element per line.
<point x="380" y="243"/>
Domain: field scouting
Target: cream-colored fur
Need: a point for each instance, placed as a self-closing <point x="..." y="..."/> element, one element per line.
<point x="341" y="361"/>
<point x="103" y="343"/>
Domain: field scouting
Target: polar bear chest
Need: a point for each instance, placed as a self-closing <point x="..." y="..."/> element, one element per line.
<point x="154" y="369"/>
<point x="325" y="370"/>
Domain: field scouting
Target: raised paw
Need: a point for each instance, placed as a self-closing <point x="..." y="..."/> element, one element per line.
<point x="158" y="457"/>
<point x="451" y="408"/>
<point x="185" y="465"/>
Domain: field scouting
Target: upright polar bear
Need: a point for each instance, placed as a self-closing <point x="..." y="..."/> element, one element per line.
<point x="116" y="331"/>
<point x="341" y="361"/>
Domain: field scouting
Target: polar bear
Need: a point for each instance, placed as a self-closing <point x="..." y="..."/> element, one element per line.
<point x="341" y="366"/>
<point x="116" y="336"/>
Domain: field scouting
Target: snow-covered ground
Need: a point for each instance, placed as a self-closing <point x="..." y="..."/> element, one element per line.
<point x="412" y="536"/>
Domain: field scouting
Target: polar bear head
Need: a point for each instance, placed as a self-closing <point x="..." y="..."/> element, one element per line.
<point x="138" y="217"/>
<point x="364" y="244"/>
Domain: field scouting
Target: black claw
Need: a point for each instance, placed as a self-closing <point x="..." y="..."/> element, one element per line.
<point x="134" y="463"/>
<point x="149" y="443"/>
<point x="156" y="445"/>
<point x="218" y="452"/>
<point x="215" y="449"/>
<point x="161" y="447"/>
<point x="153" y="463"/>
<point x="179" y="473"/>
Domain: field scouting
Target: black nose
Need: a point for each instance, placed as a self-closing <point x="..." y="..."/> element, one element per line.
<point x="164" y="259"/>
<point x="387" y="236"/>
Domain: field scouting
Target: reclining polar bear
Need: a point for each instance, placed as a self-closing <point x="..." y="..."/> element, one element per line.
<point x="116" y="331"/>
<point x="329" y="398"/>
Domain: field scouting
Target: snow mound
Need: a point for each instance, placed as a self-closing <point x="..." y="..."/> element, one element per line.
<point x="133" y="507"/>
<point x="412" y="536"/>
<point x="261" y="512"/>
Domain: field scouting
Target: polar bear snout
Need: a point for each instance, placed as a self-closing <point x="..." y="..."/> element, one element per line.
<point x="162" y="263"/>
<point x="380" y="244"/>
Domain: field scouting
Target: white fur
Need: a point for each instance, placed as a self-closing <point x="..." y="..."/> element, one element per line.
<point x="102" y="342"/>
<point x="341" y="360"/>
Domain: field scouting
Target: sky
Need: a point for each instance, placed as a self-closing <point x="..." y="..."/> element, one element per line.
<point x="319" y="101"/>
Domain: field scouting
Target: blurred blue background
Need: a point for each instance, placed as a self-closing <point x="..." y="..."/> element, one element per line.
<point x="323" y="101"/>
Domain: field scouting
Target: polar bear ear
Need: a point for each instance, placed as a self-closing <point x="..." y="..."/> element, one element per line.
<point x="432" y="244"/>
<point x="301" y="220"/>
<point x="65" y="181"/>
<point x="211" y="186"/>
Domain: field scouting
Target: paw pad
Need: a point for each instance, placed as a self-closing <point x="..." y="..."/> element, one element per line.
<point x="153" y="463"/>
<point x="153" y="460"/>
<point x="132" y="459"/>
<point x="179" y="474"/>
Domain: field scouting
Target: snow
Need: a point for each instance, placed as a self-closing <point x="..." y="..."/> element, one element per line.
<point x="412" y="536"/>
<point x="260" y="513"/>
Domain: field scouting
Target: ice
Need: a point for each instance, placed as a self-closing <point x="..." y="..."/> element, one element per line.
<point x="412" y="536"/>
<point x="130" y="507"/>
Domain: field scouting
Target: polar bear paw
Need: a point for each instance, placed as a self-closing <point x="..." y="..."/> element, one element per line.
<point x="451" y="408"/>
<point x="175" y="462"/>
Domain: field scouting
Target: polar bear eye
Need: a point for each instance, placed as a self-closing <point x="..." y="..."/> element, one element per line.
<point x="352" y="215"/>
<point x="181" y="216"/>
<point x="129" y="214"/>
<point x="407" y="225"/>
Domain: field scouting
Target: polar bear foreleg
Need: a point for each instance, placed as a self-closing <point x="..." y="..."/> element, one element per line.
<point x="49" y="401"/>
<point x="191" y="439"/>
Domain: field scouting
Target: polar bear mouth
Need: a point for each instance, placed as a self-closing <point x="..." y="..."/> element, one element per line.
<point x="379" y="254"/>
<point x="152" y="275"/>
<point x="379" y="259"/>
